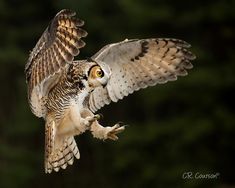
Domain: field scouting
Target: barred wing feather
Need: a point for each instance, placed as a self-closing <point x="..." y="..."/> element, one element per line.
<point x="57" y="47"/>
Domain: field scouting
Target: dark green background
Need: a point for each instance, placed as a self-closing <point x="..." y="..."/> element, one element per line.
<point x="188" y="125"/>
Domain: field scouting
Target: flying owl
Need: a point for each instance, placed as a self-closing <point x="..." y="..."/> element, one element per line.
<point x="68" y="93"/>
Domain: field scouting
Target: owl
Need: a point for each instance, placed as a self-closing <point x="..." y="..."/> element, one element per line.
<point x="67" y="93"/>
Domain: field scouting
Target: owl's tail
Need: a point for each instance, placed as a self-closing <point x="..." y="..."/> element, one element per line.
<point x="59" y="150"/>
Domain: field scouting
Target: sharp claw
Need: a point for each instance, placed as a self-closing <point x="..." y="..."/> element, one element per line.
<point x="120" y="123"/>
<point x="99" y="116"/>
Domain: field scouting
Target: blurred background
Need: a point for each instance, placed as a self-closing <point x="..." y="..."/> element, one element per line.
<point x="183" y="126"/>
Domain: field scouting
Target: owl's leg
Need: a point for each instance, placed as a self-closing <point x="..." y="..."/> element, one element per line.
<point x="77" y="121"/>
<point x="98" y="131"/>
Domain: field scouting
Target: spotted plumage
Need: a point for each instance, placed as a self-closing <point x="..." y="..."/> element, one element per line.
<point x="67" y="93"/>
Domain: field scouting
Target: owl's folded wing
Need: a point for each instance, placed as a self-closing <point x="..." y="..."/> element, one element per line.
<point x="136" y="64"/>
<point x="57" y="47"/>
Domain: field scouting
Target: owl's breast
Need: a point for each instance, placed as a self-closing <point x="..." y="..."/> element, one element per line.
<point x="63" y="96"/>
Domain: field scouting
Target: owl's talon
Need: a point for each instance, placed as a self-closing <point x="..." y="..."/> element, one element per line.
<point x="98" y="116"/>
<point x="120" y="123"/>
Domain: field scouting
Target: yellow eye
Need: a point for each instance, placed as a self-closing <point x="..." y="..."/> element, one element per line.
<point x="99" y="73"/>
<point x="96" y="72"/>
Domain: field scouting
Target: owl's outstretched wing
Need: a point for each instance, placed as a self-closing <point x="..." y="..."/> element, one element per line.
<point x="136" y="64"/>
<point x="57" y="47"/>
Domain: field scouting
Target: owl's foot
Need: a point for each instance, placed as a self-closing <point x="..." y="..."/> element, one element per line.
<point x="112" y="131"/>
<point x="104" y="133"/>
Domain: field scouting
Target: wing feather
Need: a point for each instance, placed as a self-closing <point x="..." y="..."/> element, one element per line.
<point x="57" y="47"/>
<point x="137" y="64"/>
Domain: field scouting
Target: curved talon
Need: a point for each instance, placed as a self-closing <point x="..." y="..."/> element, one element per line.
<point x="99" y="116"/>
<point x="120" y="123"/>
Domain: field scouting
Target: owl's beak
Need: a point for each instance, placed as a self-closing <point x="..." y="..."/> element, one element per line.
<point x="104" y="85"/>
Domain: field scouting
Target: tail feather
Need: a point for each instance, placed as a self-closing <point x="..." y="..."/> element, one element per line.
<point x="73" y="147"/>
<point x="59" y="151"/>
<point x="69" y="157"/>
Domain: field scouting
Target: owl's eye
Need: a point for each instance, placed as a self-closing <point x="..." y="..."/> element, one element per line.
<point x="99" y="73"/>
<point x="96" y="72"/>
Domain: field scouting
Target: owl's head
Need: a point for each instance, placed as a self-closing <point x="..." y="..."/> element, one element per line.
<point x="88" y="74"/>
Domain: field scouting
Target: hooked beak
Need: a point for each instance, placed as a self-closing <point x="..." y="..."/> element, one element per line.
<point x="104" y="85"/>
